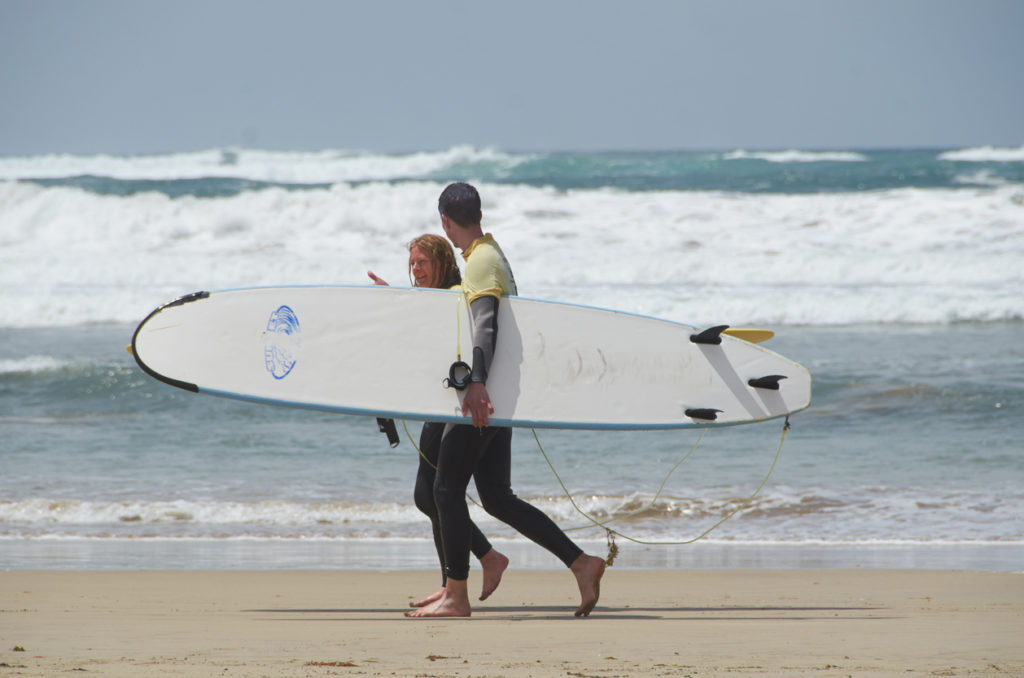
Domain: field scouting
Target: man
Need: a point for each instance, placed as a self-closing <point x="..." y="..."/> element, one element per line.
<point x="483" y="451"/>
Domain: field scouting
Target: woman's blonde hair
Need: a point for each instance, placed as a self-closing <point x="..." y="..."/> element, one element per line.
<point x="440" y="250"/>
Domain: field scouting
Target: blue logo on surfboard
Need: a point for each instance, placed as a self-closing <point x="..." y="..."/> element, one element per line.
<point x="281" y="342"/>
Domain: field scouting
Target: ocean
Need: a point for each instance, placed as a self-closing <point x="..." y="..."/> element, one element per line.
<point x="895" y="276"/>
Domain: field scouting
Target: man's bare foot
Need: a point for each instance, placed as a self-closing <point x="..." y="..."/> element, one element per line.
<point x="588" y="571"/>
<point x="493" y="564"/>
<point x="423" y="602"/>
<point x="454" y="602"/>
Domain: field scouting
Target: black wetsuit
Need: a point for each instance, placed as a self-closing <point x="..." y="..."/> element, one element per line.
<point x="430" y="447"/>
<point x="486" y="454"/>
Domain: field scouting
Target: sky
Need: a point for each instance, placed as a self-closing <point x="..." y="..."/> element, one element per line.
<point x="394" y="76"/>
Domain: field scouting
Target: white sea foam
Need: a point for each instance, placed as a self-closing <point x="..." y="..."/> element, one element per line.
<point x="980" y="178"/>
<point x="777" y="515"/>
<point x="33" y="364"/>
<point x="794" y="155"/>
<point x="189" y="517"/>
<point x="985" y="154"/>
<point x="69" y="256"/>
<point x="271" y="166"/>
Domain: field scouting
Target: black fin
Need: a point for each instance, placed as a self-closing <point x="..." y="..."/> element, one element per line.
<point x="703" y="413"/>
<point x="712" y="335"/>
<point x="771" y="382"/>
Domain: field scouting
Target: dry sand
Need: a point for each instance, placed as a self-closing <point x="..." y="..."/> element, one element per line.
<point x="649" y="623"/>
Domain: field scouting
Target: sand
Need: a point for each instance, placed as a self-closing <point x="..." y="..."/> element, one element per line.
<point x="648" y="623"/>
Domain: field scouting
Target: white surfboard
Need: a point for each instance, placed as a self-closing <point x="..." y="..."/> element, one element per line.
<point x="386" y="352"/>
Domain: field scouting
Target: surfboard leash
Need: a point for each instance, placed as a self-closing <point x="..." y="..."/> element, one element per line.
<point x="639" y="510"/>
<point x="612" y="533"/>
<point x="460" y="372"/>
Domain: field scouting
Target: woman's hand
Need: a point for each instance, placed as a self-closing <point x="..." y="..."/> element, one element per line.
<point x="376" y="280"/>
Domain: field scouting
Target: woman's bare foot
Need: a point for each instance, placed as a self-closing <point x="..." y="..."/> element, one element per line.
<point x="493" y="564"/>
<point x="423" y="602"/>
<point x="588" y="571"/>
<point x="454" y="602"/>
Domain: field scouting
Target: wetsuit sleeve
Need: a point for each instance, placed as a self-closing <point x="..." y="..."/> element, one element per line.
<point x="485" y="335"/>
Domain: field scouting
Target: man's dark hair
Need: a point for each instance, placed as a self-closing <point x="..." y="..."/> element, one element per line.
<point x="461" y="203"/>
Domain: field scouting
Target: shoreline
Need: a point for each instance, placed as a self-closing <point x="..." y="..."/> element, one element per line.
<point x="406" y="554"/>
<point x="770" y="623"/>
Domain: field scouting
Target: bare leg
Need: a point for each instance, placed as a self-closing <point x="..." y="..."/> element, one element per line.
<point x="454" y="602"/>
<point x="588" y="571"/>
<point x="428" y="599"/>
<point x="493" y="564"/>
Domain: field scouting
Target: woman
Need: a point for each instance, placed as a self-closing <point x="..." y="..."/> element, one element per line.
<point x="432" y="264"/>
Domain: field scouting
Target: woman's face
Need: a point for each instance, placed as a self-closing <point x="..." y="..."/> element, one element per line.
<point x="422" y="267"/>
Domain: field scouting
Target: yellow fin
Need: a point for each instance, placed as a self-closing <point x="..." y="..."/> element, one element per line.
<point x="754" y="336"/>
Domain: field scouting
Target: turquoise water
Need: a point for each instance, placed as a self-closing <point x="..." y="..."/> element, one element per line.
<point x="789" y="172"/>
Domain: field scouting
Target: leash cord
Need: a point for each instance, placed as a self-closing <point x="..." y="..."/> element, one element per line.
<point x="639" y="510"/>
<point x="610" y="531"/>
